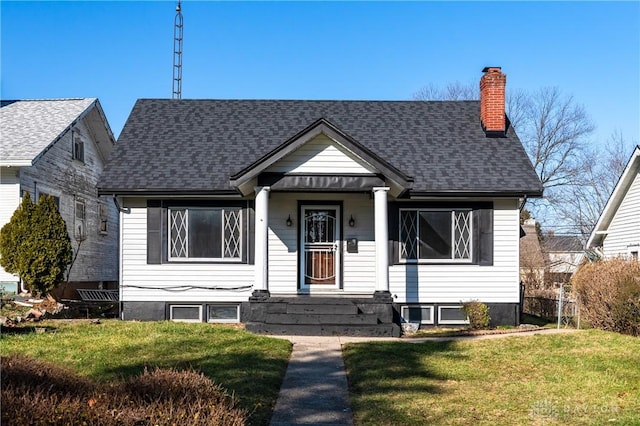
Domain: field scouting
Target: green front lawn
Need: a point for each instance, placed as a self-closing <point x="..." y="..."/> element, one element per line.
<point x="587" y="377"/>
<point x="250" y="366"/>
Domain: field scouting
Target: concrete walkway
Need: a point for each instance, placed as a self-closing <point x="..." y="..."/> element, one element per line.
<point x="315" y="389"/>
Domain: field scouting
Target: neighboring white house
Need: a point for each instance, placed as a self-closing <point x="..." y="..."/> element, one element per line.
<point x="617" y="232"/>
<point x="59" y="147"/>
<point x="564" y="254"/>
<point x="320" y="217"/>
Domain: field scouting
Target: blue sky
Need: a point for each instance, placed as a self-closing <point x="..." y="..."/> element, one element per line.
<point x="122" y="51"/>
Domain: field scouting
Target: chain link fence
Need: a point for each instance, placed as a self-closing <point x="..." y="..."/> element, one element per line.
<point x="548" y="308"/>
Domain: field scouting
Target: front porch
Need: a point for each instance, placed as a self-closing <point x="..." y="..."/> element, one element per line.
<point x="328" y="295"/>
<point x="321" y="316"/>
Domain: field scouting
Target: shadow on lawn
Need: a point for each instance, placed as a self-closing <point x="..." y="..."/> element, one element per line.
<point x="27" y="329"/>
<point x="376" y="370"/>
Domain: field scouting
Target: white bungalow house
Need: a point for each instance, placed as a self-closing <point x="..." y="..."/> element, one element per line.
<point x="59" y="147"/>
<point x="617" y="232"/>
<point x="320" y="217"/>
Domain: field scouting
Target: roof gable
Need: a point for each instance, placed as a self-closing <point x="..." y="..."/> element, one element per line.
<point x="629" y="175"/>
<point x="316" y="154"/>
<point x="29" y="127"/>
<point x="304" y="139"/>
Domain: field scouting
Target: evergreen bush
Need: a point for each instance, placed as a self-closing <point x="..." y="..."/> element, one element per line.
<point x="35" y="245"/>
<point x="14" y="237"/>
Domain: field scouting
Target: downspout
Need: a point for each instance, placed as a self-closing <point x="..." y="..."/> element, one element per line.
<point x="524" y="201"/>
<point x="119" y="207"/>
<point x="23" y="289"/>
<point x="121" y="212"/>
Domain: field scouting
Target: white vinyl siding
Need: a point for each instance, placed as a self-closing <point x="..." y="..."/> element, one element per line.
<point x="453" y="283"/>
<point x="176" y="282"/>
<point x="9" y="202"/>
<point x="409" y="283"/>
<point x="321" y="156"/>
<point x="358" y="268"/>
<point x="624" y="230"/>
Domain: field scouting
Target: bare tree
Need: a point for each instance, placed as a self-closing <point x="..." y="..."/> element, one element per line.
<point x="455" y="91"/>
<point x="584" y="199"/>
<point x="553" y="128"/>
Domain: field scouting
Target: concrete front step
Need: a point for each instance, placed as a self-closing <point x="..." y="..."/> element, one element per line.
<point x="317" y="300"/>
<point x="336" y="309"/>
<point x="320" y="315"/>
<point x="380" y="330"/>
<point x="322" y="319"/>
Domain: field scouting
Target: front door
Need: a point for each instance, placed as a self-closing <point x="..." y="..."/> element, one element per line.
<point x="320" y="254"/>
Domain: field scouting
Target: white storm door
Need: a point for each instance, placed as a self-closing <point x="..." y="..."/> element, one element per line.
<point x="320" y="244"/>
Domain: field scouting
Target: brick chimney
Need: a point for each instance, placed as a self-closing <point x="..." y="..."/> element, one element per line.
<point x="492" y="101"/>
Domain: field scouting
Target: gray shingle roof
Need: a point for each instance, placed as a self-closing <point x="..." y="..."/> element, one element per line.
<point x="561" y="243"/>
<point x="28" y="126"/>
<point x="196" y="145"/>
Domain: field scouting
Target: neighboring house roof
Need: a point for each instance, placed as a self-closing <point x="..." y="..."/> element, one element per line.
<point x="28" y="127"/>
<point x="617" y="196"/>
<point x="197" y="146"/>
<point x="561" y="243"/>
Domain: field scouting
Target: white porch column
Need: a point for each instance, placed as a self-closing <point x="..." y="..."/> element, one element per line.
<point x="261" y="285"/>
<point x="382" y="239"/>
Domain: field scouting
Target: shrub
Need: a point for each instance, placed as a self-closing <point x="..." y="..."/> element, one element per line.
<point x="13" y="236"/>
<point x="38" y="393"/>
<point x="609" y="295"/>
<point x="478" y="314"/>
<point x="35" y="245"/>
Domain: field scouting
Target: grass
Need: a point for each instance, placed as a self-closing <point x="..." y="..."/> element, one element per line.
<point x="539" y="321"/>
<point x="250" y="366"/>
<point x="584" y="378"/>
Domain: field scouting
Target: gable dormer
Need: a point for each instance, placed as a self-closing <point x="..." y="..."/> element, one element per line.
<point x="321" y="157"/>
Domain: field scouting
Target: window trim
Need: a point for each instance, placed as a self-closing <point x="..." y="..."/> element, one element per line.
<point x="223" y="321"/>
<point x="103" y="218"/>
<point x="174" y="259"/>
<point x="451" y="322"/>
<point x="77" y="146"/>
<point x="80" y="233"/>
<point x="429" y="321"/>
<point x="452" y="260"/>
<point x="185" y="306"/>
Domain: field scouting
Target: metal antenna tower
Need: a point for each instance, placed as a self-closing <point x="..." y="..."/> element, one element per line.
<point x="177" y="53"/>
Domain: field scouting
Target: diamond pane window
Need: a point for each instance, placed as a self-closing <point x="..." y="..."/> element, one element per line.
<point x="438" y="235"/>
<point x="178" y="233"/>
<point x="409" y="234"/>
<point x="462" y="235"/>
<point x="232" y="233"/>
<point x="205" y="233"/>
